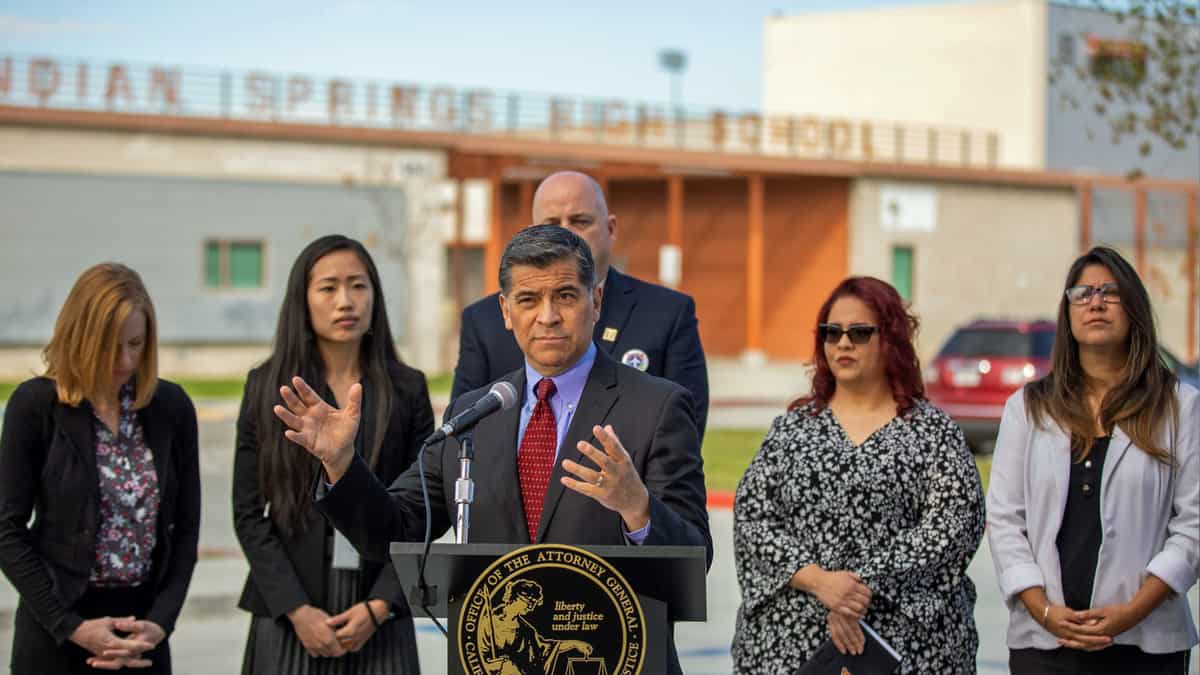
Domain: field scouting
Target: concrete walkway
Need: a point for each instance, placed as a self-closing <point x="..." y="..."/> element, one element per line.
<point x="211" y="633"/>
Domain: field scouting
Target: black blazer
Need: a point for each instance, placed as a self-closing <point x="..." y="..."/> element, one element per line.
<point x="651" y="416"/>
<point x="657" y="320"/>
<point x="48" y="469"/>
<point x="287" y="572"/>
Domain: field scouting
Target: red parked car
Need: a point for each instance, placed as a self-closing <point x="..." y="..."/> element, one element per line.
<point x="980" y="366"/>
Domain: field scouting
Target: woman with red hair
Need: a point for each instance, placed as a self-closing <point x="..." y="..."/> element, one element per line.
<point x="862" y="503"/>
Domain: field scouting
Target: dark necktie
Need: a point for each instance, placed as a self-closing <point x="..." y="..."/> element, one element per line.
<point x="535" y="456"/>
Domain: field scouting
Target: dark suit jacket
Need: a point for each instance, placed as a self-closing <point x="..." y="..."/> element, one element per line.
<point x="650" y="415"/>
<point x="287" y="572"/>
<point x="48" y="468"/>
<point x="656" y="320"/>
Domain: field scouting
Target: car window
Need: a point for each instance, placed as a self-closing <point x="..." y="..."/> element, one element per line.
<point x="1043" y="342"/>
<point x="970" y="343"/>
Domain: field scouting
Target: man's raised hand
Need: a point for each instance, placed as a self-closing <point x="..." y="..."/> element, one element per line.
<point x="326" y="432"/>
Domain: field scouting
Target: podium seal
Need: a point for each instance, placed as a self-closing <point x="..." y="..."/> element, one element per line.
<point x="551" y="609"/>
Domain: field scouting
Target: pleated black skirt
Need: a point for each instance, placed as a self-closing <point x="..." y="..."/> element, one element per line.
<point x="273" y="648"/>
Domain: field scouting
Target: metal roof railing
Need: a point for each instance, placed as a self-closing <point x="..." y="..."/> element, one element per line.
<point x="257" y="95"/>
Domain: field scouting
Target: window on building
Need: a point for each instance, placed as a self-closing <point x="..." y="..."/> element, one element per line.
<point x="902" y="271"/>
<point x="233" y="264"/>
<point x="1120" y="61"/>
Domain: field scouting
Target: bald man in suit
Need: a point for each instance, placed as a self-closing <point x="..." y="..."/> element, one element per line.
<point x="643" y="325"/>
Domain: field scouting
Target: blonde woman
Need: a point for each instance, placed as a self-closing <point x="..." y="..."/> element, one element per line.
<point x="103" y="455"/>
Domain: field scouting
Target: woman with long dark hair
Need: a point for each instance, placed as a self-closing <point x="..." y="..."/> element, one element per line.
<point x="863" y="503"/>
<point x="317" y="607"/>
<point x="1094" y="503"/>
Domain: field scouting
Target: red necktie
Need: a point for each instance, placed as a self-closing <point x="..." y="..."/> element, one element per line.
<point x="535" y="457"/>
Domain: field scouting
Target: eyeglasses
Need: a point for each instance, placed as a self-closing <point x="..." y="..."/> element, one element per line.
<point x="1082" y="295"/>
<point x="860" y="334"/>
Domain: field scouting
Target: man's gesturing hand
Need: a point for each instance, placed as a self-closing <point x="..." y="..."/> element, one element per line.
<point x="325" y="431"/>
<point x="615" y="483"/>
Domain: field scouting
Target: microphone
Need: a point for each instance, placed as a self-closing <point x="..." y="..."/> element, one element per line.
<point x="501" y="396"/>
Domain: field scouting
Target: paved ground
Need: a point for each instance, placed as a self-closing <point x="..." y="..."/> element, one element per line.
<point x="211" y="632"/>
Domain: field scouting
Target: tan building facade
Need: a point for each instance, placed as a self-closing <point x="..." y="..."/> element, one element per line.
<point x="1004" y="66"/>
<point x="1006" y="69"/>
<point x="757" y="233"/>
<point x="988" y="251"/>
<point x="974" y="64"/>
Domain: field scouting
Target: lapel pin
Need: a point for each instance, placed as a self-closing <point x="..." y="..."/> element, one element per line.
<point x="636" y="358"/>
<point x="610" y="334"/>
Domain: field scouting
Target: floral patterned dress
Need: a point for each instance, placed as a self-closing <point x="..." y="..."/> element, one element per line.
<point x="904" y="510"/>
<point x="129" y="499"/>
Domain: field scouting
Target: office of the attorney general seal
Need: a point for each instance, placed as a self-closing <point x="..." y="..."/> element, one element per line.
<point x="551" y="609"/>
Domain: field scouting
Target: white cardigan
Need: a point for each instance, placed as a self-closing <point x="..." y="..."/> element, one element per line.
<point x="1150" y="513"/>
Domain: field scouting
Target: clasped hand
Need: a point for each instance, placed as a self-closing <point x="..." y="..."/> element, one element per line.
<point x="844" y="593"/>
<point x="1091" y="629"/>
<point x="109" y="650"/>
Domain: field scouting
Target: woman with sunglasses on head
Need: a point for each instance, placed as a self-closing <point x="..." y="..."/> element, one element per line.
<point x="862" y="503"/>
<point x="1094" y="503"/>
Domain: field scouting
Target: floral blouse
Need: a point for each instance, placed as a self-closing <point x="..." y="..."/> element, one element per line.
<point x="904" y="510"/>
<point x="129" y="499"/>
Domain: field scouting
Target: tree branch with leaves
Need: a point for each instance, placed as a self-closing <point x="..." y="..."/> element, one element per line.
<point x="1147" y="81"/>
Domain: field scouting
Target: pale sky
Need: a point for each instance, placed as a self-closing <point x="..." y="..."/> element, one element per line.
<point x="605" y="49"/>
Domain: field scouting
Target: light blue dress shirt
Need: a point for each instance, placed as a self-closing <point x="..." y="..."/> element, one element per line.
<point x="565" y="401"/>
<point x="568" y="388"/>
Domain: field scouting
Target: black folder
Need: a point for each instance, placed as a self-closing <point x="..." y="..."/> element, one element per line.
<point x="878" y="658"/>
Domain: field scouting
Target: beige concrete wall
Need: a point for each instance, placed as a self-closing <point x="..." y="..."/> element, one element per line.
<point x="970" y="64"/>
<point x="992" y="252"/>
<point x="421" y="173"/>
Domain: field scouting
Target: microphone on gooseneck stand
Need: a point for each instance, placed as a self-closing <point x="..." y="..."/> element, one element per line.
<point x="501" y="396"/>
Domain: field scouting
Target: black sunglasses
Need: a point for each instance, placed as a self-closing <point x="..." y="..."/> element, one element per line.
<point x="860" y="334"/>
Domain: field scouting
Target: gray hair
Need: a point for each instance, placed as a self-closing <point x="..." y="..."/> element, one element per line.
<point x="541" y="246"/>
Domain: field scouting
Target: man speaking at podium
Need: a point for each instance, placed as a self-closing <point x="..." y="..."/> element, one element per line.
<point x="594" y="454"/>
